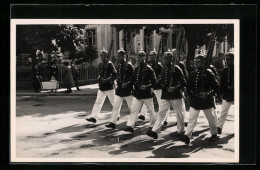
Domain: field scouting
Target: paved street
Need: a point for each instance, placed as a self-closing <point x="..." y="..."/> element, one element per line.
<point x="55" y="127"/>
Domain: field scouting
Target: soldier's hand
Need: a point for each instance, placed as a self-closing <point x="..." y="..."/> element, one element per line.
<point x="123" y="85"/>
<point x="203" y="95"/>
<point x="143" y="87"/>
<point x="171" y="89"/>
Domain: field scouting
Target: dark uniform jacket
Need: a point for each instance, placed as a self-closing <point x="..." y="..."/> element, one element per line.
<point x="227" y="80"/>
<point x="107" y="71"/>
<point x="149" y="81"/>
<point x="210" y="86"/>
<point x="214" y="70"/>
<point x="122" y="92"/>
<point x="178" y="80"/>
<point x="157" y="68"/>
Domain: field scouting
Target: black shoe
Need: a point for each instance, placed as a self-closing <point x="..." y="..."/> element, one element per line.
<point x="219" y="130"/>
<point x="118" y="119"/>
<point x="111" y="125"/>
<point x="179" y="134"/>
<point x="152" y="134"/>
<point x="91" y="120"/>
<point x="141" y="117"/>
<point x="213" y="138"/>
<point x="186" y="139"/>
<point x="128" y="129"/>
<point x="165" y="123"/>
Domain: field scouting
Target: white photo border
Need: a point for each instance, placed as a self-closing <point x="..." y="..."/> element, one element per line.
<point x="14" y="22"/>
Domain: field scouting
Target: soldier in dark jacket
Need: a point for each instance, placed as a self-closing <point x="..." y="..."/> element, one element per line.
<point x="186" y="76"/>
<point x="157" y="90"/>
<point x="226" y="90"/>
<point x="172" y="83"/>
<point x="107" y="76"/>
<point x="202" y="88"/>
<point x="124" y="89"/>
<point x="144" y="80"/>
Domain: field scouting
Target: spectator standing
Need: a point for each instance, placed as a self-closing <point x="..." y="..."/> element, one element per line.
<point x="67" y="77"/>
<point x="75" y="74"/>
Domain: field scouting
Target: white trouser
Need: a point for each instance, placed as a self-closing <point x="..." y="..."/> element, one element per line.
<point x="183" y="108"/>
<point x="165" y="105"/>
<point x="158" y="94"/>
<point x="224" y="112"/>
<point x="101" y="96"/>
<point x="136" y="105"/>
<point x="212" y="119"/>
<point x="117" y="106"/>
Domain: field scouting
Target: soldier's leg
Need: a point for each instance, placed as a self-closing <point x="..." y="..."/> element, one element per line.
<point x="158" y="94"/>
<point x="136" y="105"/>
<point x="129" y="101"/>
<point x="165" y="105"/>
<point x="192" y="121"/>
<point x="101" y="96"/>
<point x="116" y="108"/>
<point x="224" y="112"/>
<point x="143" y="110"/>
<point x="178" y="106"/>
<point x="209" y="113"/>
<point x="111" y="94"/>
<point x="150" y="106"/>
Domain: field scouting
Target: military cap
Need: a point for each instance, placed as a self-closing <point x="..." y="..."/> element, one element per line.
<point x="103" y="52"/>
<point x="168" y="53"/>
<point x="141" y="53"/>
<point x="200" y="56"/>
<point x="153" y="52"/>
<point x="121" y="51"/>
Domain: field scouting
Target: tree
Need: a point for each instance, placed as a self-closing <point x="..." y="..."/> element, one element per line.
<point x="48" y="38"/>
<point x="198" y="35"/>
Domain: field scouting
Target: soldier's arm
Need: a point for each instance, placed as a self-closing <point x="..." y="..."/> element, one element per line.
<point x="214" y="85"/>
<point x="113" y="72"/>
<point x="129" y="75"/>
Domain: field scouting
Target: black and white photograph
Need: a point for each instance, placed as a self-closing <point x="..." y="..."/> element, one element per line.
<point x="135" y="90"/>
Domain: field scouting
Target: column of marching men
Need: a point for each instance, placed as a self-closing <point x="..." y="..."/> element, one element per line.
<point x="168" y="82"/>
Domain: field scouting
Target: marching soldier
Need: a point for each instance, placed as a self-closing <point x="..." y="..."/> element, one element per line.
<point x="171" y="96"/>
<point x="201" y="88"/>
<point x="186" y="76"/>
<point x="226" y="90"/>
<point x="107" y="76"/>
<point x="124" y="89"/>
<point x="157" y="67"/>
<point x="144" y="80"/>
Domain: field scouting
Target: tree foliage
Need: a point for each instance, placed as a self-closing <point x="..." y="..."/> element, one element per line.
<point x="198" y="35"/>
<point x="49" y="38"/>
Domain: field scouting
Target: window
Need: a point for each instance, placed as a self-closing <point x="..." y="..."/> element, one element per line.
<point x="91" y="37"/>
